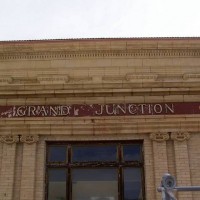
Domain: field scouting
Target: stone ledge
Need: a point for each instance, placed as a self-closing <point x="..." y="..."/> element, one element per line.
<point x="117" y="126"/>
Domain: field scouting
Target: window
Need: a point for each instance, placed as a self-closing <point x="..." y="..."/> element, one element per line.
<point x="94" y="171"/>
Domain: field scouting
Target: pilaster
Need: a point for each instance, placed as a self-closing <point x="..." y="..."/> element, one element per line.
<point x="27" y="190"/>
<point x="160" y="157"/>
<point x="182" y="162"/>
<point x="40" y="171"/>
<point x="1" y="156"/>
<point x="149" y="170"/>
<point x="9" y="143"/>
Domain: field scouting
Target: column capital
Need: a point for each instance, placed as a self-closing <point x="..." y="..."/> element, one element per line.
<point x="9" y="139"/>
<point x="29" y="139"/>
<point x="159" y="136"/>
<point x="180" y="136"/>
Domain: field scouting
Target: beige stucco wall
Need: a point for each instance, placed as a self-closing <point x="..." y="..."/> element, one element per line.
<point x="99" y="71"/>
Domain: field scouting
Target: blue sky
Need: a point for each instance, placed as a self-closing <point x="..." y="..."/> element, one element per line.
<point x="58" y="19"/>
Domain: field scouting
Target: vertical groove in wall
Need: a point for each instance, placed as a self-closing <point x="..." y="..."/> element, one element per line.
<point x="160" y="163"/>
<point x="171" y="158"/>
<point x="149" y="171"/>
<point x="18" y="171"/>
<point x="7" y="171"/>
<point x="40" y="170"/>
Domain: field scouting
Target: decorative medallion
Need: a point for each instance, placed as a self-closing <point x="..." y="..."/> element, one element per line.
<point x="159" y="137"/>
<point x="29" y="139"/>
<point x="180" y="136"/>
<point x="9" y="139"/>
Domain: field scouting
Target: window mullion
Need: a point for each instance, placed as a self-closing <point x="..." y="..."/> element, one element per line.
<point x="121" y="187"/>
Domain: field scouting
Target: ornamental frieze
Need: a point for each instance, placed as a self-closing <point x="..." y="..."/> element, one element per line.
<point x="5" y="80"/>
<point x="141" y="76"/>
<point x="68" y="79"/>
<point x="62" y="79"/>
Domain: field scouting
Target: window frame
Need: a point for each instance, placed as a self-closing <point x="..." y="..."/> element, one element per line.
<point x="119" y="163"/>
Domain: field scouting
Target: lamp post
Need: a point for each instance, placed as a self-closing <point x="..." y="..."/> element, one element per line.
<point x="168" y="186"/>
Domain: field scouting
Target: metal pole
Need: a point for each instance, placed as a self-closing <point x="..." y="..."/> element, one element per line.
<point x="187" y="188"/>
<point x="162" y="190"/>
<point x="166" y="194"/>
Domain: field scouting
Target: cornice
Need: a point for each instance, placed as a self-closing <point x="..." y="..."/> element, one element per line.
<point x="22" y="54"/>
<point x="98" y="39"/>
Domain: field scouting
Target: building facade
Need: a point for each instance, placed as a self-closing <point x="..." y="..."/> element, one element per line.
<point x="98" y="119"/>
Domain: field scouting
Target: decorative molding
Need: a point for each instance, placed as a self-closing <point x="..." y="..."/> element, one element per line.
<point x="55" y="78"/>
<point x="9" y="139"/>
<point x="66" y="78"/>
<point x="191" y="76"/>
<point x="159" y="136"/>
<point x="170" y="77"/>
<point x="180" y="136"/>
<point x="29" y="139"/>
<point x="81" y="79"/>
<point x="140" y="77"/>
<point x="17" y="48"/>
<point x="177" y="136"/>
<point x="46" y="55"/>
<point x="113" y="78"/>
<point x="12" y="80"/>
<point x="5" y="80"/>
<point x="23" y="80"/>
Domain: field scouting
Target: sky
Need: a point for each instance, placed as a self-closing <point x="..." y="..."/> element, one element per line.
<point x="61" y="19"/>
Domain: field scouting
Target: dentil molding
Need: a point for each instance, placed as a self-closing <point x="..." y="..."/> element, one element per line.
<point x="46" y="55"/>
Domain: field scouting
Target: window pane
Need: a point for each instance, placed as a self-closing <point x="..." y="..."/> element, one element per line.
<point x="57" y="154"/>
<point x="57" y="184"/>
<point x="94" y="184"/>
<point x="132" y="152"/>
<point x="94" y="153"/>
<point x="132" y="184"/>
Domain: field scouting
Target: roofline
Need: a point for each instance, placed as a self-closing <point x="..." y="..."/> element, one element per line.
<point x="99" y="39"/>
